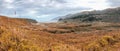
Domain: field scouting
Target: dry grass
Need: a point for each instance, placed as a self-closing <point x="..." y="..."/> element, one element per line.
<point x="17" y="35"/>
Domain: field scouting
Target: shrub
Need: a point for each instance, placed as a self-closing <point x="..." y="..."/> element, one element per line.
<point x="12" y="42"/>
<point x="101" y="44"/>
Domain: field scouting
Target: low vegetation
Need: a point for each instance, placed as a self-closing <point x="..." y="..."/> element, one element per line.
<point x="21" y="35"/>
<point x="103" y="44"/>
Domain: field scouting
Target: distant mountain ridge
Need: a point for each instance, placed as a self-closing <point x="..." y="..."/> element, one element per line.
<point x="107" y="15"/>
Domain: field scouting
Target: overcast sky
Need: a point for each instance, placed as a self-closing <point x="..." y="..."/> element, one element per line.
<point x="45" y="10"/>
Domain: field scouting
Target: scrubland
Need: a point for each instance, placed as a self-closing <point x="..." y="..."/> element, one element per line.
<point x="20" y="35"/>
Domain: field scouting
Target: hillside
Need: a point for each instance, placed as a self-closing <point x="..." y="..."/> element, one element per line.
<point x="107" y="15"/>
<point x="15" y="21"/>
<point x="20" y="35"/>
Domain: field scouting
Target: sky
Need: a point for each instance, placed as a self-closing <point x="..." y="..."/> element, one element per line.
<point x="46" y="10"/>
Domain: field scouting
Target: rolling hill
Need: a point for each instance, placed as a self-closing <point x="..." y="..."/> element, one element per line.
<point x="107" y="15"/>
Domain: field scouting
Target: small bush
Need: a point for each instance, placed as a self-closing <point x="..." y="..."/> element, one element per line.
<point x="12" y="42"/>
<point x="101" y="44"/>
<point x="106" y="40"/>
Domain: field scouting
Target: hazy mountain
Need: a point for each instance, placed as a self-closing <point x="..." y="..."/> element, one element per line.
<point x="107" y="15"/>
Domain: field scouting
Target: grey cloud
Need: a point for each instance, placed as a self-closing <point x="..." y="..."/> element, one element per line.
<point x="22" y="5"/>
<point x="114" y="3"/>
<point x="60" y="11"/>
<point x="60" y="1"/>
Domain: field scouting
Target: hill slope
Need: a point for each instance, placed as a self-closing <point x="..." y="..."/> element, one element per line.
<point x="107" y="15"/>
<point x="21" y="35"/>
<point x="15" y="21"/>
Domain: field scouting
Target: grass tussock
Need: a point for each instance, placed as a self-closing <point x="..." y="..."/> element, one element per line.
<point x="103" y="44"/>
<point x="12" y="42"/>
